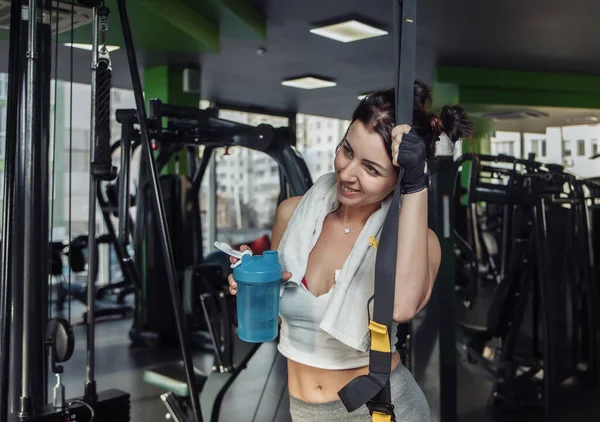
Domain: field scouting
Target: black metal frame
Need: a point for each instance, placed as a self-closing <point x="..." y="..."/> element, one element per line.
<point x="527" y="273"/>
<point x="8" y="216"/>
<point x="434" y="332"/>
<point x="25" y="215"/>
<point x="204" y="128"/>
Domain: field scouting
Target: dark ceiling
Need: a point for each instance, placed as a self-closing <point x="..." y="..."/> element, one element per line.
<point x="549" y="36"/>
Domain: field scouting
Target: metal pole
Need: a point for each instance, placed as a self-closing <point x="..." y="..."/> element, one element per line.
<point x="90" y="382"/>
<point x="159" y="208"/>
<point x="212" y="203"/>
<point x="16" y="354"/>
<point x="43" y="218"/>
<point x="124" y="196"/>
<point x="25" y="408"/>
<point x="12" y="115"/>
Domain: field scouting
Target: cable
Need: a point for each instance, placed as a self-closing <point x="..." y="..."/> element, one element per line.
<point x="92" y="414"/>
<point x="69" y="238"/>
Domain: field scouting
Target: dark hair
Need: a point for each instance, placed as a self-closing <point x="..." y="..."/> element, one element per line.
<point x="377" y="112"/>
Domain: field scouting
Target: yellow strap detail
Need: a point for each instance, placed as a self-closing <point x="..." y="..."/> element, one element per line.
<point x="380" y="340"/>
<point x="381" y="417"/>
<point x="373" y="242"/>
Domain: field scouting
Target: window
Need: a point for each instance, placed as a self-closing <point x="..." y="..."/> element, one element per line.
<point x="80" y="160"/>
<point x="580" y="147"/>
<point x="566" y="148"/>
<point x="3" y="85"/>
<point x="505" y="147"/>
<point x="543" y="154"/>
<point x="248" y="186"/>
<point x="2" y="129"/>
<point x="535" y="147"/>
<point x="246" y="209"/>
<point x="594" y="143"/>
<point x="116" y="95"/>
<point x="2" y="118"/>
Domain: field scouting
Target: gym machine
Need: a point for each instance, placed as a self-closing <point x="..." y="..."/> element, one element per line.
<point x="208" y="308"/>
<point x="173" y="129"/>
<point x="31" y="342"/>
<point x="541" y="326"/>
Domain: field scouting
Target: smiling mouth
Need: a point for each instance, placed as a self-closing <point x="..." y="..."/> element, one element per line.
<point x="347" y="189"/>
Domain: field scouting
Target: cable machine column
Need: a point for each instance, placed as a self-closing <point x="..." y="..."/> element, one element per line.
<point x="35" y="253"/>
<point x="7" y="279"/>
<point x="25" y="407"/>
<point x="16" y="354"/>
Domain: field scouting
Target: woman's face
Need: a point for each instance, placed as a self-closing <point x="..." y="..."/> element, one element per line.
<point x="365" y="173"/>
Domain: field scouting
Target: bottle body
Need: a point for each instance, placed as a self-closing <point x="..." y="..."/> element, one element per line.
<point x="257" y="300"/>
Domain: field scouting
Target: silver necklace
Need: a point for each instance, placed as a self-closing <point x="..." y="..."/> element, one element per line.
<point x="347" y="229"/>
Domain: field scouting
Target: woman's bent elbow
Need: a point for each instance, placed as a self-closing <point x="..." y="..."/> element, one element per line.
<point x="403" y="314"/>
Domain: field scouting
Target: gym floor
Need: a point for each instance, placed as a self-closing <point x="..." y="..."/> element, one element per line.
<point x="118" y="365"/>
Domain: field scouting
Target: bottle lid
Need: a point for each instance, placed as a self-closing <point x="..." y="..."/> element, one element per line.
<point x="259" y="269"/>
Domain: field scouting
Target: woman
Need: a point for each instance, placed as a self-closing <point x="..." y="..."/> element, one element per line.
<point x="367" y="164"/>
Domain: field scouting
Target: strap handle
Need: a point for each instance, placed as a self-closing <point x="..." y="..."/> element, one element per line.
<point x="405" y="12"/>
<point x="374" y="389"/>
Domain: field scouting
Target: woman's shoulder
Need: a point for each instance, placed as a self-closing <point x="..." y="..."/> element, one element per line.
<point x="284" y="213"/>
<point x="286" y="208"/>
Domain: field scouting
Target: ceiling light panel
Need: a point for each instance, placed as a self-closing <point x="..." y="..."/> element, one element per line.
<point x="348" y="31"/>
<point x="308" y="82"/>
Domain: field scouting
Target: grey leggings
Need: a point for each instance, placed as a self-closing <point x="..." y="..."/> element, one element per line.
<point x="409" y="402"/>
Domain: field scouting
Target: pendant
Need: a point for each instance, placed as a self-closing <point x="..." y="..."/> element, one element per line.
<point x="346" y="230"/>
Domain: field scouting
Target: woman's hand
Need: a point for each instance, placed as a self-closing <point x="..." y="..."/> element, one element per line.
<point x="232" y="283"/>
<point x="410" y="152"/>
<point x="397" y="134"/>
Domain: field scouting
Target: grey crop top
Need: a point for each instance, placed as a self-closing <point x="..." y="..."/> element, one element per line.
<point x="301" y="339"/>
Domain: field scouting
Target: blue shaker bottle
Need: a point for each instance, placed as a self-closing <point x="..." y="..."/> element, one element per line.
<point x="258" y="278"/>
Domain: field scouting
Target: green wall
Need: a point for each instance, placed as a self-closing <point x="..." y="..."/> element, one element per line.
<point x="166" y="84"/>
<point x="520" y="88"/>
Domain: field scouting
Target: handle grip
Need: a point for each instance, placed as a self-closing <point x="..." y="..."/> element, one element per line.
<point x="101" y="166"/>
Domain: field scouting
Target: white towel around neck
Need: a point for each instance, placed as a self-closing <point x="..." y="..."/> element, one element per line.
<point x="347" y="317"/>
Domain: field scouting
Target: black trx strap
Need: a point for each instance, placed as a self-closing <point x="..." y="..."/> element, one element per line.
<point x="374" y="389"/>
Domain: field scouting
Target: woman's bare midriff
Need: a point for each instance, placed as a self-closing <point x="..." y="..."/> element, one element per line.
<point x="315" y="385"/>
